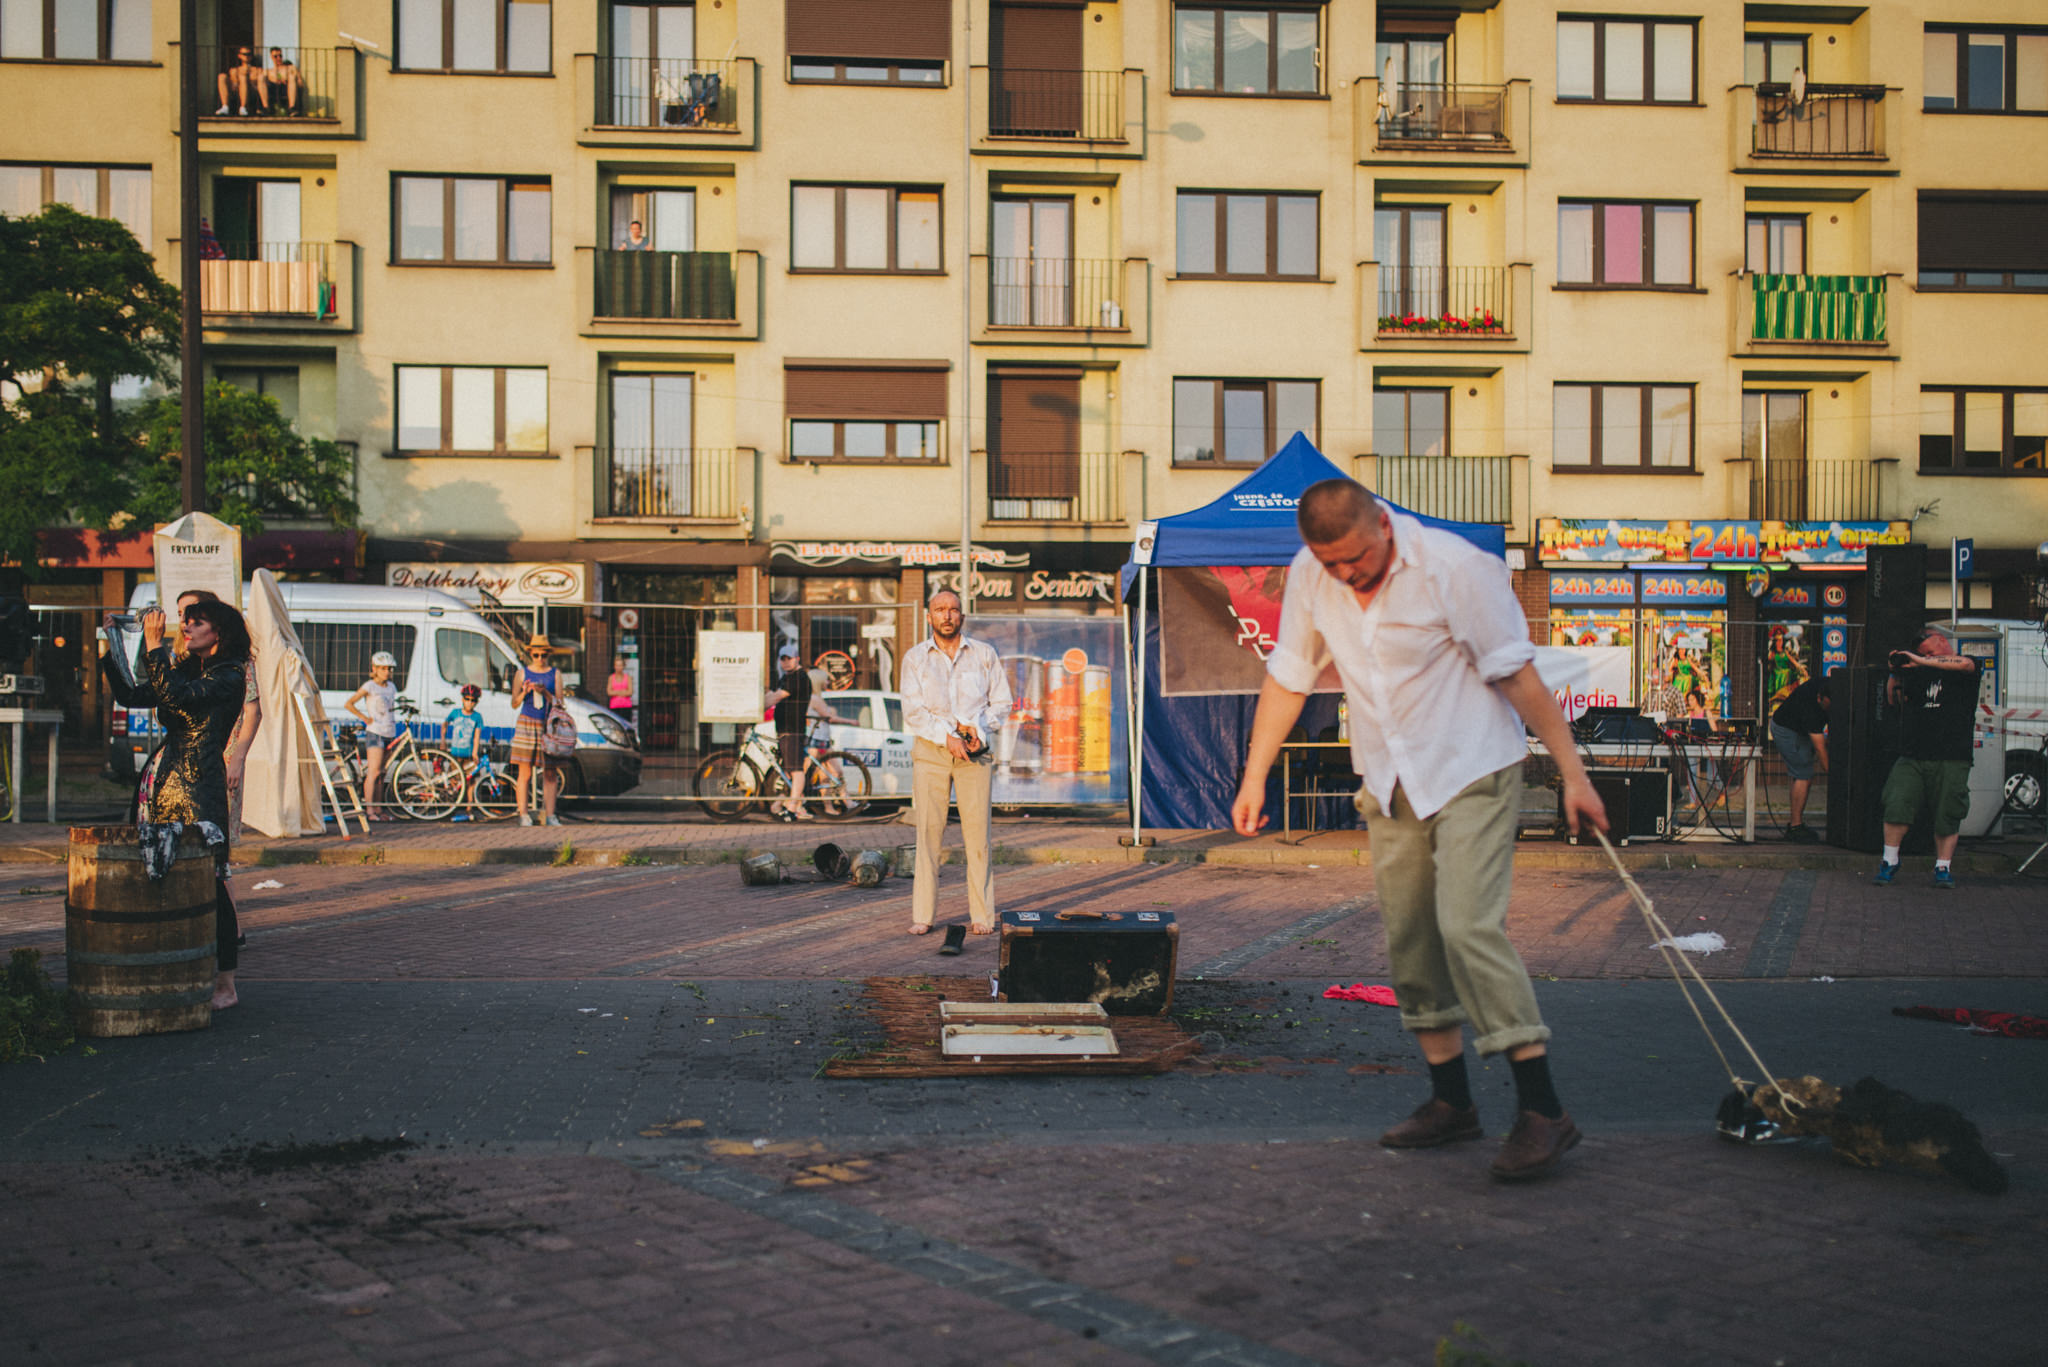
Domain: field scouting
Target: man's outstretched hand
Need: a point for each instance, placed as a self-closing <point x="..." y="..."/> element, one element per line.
<point x="1580" y="801"/>
<point x="1245" y="813"/>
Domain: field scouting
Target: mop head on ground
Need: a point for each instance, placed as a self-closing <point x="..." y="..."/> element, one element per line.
<point x="1873" y="1126"/>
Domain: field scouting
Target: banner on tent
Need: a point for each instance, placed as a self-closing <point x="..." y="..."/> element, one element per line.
<point x="1580" y="677"/>
<point x="1218" y="623"/>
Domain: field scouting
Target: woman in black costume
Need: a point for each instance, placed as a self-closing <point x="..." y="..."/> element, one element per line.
<point x="198" y="700"/>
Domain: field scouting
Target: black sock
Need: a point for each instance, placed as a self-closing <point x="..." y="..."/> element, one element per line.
<point x="1448" y="1084"/>
<point x="1533" y="1091"/>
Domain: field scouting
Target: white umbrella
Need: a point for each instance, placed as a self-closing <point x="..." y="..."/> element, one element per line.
<point x="281" y="781"/>
<point x="1798" y="85"/>
<point x="1386" y="99"/>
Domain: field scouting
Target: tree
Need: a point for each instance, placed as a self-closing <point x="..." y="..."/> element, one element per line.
<point x="256" y="465"/>
<point x="81" y="305"/>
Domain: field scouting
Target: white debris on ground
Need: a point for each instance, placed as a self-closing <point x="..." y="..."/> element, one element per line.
<point x="1706" y="942"/>
<point x="267" y="884"/>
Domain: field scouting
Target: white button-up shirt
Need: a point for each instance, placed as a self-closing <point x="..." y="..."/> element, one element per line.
<point x="940" y="694"/>
<point x="1417" y="665"/>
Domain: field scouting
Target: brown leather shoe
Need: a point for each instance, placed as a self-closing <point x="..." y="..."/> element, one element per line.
<point x="1435" y="1122"/>
<point x="1535" y="1147"/>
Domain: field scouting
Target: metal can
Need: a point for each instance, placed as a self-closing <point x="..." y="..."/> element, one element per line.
<point x="1062" y="718"/>
<point x="1020" y="745"/>
<point x="1096" y="719"/>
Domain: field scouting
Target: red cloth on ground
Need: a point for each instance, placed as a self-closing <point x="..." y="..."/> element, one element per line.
<point x="1359" y="992"/>
<point x="2010" y="1024"/>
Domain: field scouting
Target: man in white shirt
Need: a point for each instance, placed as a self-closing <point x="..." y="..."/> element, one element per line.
<point x="955" y="697"/>
<point x="1438" y="669"/>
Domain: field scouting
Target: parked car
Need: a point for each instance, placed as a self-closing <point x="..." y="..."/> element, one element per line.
<point x="873" y="732"/>
<point x="441" y="643"/>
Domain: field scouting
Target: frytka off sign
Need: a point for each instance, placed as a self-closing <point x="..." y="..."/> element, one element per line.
<point x="526" y="584"/>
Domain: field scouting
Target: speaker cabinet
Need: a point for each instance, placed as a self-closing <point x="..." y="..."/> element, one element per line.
<point x="1895" y="610"/>
<point x="1863" y="740"/>
<point x="1638" y="803"/>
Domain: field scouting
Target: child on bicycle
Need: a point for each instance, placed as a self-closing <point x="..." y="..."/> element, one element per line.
<point x="464" y="728"/>
<point x="380" y="723"/>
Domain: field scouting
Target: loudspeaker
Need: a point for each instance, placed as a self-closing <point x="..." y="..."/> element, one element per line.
<point x="1122" y="960"/>
<point x="1863" y="740"/>
<point x="1638" y="803"/>
<point x="1895" y="610"/>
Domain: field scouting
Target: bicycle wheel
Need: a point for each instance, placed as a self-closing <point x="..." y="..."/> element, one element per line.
<point x="495" y="795"/>
<point x="428" y="784"/>
<point x="841" y="797"/>
<point x="728" y="784"/>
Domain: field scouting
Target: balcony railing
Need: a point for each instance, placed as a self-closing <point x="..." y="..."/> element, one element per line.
<point x="1817" y="490"/>
<point x="680" y="95"/>
<point x="665" y="286"/>
<point x="1065" y="487"/>
<point x="656" y="482"/>
<point x="1079" y="106"/>
<point x="272" y="91"/>
<point x="1055" y="292"/>
<point x="292" y="278"/>
<point x="1848" y="309"/>
<point x="1460" y="488"/>
<point x="1826" y="121"/>
<point x="1409" y="114"/>
<point x="1454" y="301"/>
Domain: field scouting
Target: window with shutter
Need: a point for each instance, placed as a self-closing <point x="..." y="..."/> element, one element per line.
<point x="866" y="413"/>
<point x="1988" y="242"/>
<point x="869" y="42"/>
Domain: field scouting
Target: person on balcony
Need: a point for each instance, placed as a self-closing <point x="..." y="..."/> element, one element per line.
<point x="282" y="85"/>
<point x="240" y="78"/>
<point x="636" y="239"/>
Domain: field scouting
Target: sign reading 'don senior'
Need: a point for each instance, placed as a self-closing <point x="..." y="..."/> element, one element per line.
<point x="198" y="551"/>
<point x="730" y="667"/>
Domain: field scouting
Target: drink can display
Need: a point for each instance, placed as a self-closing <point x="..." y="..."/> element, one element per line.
<point x="1095" y="719"/>
<point x="1020" y="746"/>
<point x="1062" y="718"/>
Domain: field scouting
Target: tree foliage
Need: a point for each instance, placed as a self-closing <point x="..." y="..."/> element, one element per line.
<point x="81" y="305"/>
<point x="256" y="465"/>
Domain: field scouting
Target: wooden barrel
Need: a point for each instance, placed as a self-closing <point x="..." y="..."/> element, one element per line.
<point x="138" y="955"/>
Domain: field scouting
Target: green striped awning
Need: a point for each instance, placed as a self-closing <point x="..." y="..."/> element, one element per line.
<point x="1817" y="308"/>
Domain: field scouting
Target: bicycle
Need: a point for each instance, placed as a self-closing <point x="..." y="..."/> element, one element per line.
<point x="732" y="781"/>
<point x="427" y="783"/>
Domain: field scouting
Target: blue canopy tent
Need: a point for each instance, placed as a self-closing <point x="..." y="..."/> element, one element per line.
<point x="1190" y="750"/>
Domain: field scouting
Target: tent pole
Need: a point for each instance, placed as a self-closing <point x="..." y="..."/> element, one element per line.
<point x="1137" y="712"/>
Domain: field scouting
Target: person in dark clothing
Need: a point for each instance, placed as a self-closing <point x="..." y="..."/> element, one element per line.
<point x="199" y="701"/>
<point x="792" y="699"/>
<point x="1936" y="690"/>
<point x="1799" y="729"/>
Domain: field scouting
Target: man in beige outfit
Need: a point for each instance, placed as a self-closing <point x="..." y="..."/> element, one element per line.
<point x="955" y="697"/>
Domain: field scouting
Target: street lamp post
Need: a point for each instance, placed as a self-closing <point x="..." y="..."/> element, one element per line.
<point x="191" y="384"/>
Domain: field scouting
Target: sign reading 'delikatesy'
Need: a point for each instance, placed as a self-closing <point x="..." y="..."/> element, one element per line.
<point x="730" y="671"/>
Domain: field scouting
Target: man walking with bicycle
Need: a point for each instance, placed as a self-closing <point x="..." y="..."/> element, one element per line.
<point x="955" y="696"/>
<point x="795" y="704"/>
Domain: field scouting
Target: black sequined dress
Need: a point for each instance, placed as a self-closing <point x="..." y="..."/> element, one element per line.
<point x="197" y="703"/>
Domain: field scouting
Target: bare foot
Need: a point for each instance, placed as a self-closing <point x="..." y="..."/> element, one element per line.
<point x="916" y="929"/>
<point x="224" y="999"/>
<point x="981" y="930"/>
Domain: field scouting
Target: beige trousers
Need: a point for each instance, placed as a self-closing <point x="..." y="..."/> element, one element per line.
<point x="935" y="774"/>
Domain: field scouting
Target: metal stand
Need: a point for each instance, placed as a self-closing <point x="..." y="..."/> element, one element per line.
<point x="18" y="720"/>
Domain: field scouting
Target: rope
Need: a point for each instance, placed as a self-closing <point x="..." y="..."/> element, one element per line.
<point x="1672" y="959"/>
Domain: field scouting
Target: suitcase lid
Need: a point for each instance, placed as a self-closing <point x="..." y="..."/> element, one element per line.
<point x="1043" y="921"/>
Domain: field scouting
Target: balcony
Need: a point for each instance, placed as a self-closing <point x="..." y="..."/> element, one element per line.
<point x="1059" y="113"/>
<point x="688" y="483"/>
<point x="1443" y="308"/>
<point x="1062" y="301"/>
<point x="1818" y="490"/>
<point x="1485" y="489"/>
<point x="1826" y="124"/>
<point x="1066" y="487"/>
<point x="275" y="286"/>
<point x="1441" y="124"/>
<point x="641" y="102"/>
<point x="319" y="102"/>
<point x="1813" y="310"/>
<point x="671" y="294"/>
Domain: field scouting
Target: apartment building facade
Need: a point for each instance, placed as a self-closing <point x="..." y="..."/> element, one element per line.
<point x="741" y="301"/>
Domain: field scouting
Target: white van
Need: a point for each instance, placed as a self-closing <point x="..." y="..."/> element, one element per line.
<point x="2014" y="656"/>
<point x="441" y="643"/>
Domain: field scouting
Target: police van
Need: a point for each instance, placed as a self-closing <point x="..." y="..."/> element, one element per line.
<point x="441" y="643"/>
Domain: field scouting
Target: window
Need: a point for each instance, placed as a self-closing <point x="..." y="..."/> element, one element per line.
<point x="1247" y="49"/>
<point x="1408" y="243"/>
<point x="1988" y="431"/>
<point x="1255" y="236"/>
<point x="1771" y="58"/>
<point x="865" y="414"/>
<point x="1625" y="61"/>
<point x="864" y="228"/>
<point x="1985" y="241"/>
<point x="469" y="657"/>
<point x="903" y="42"/>
<point x="1411" y="422"/>
<point x="667" y="219"/>
<point x="1986" y="70"/>
<point x="340" y="652"/>
<point x="101" y="191"/>
<point x="471" y="220"/>
<point x="1621" y="427"/>
<point x="1774" y="244"/>
<point x="509" y="36"/>
<point x="1240" y="422"/>
<point x="281" y="384"/>
<point x="75" y="31"/>
<point x="450" y="410"/>
<point x="1624" y="244"/>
